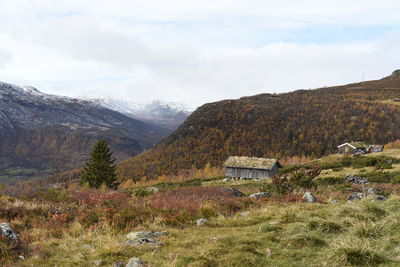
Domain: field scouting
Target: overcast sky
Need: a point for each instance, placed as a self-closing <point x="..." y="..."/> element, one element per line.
<point x="194" y="52"/>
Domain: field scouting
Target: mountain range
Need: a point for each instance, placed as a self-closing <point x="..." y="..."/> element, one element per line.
<point x="307" y="123"/>
<point x="42" y="133"/>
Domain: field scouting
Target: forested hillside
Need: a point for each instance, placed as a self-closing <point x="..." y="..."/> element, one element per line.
<point x="304" y="122"/>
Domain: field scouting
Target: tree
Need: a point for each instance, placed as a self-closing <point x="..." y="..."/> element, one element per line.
<point x="100" y="168"/>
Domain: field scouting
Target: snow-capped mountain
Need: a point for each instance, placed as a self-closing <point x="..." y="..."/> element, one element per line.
<point x="167" y="114"/>
<point x="42" y="131"/>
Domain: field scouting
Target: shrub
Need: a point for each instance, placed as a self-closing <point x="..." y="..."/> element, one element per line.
<point x="281" y="185"/>
<point x="304" y="179"/>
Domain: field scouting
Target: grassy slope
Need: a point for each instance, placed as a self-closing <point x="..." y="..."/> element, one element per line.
<point x="296" y="234"/>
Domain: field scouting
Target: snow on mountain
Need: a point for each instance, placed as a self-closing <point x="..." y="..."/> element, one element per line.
<point x="167" y="114"/>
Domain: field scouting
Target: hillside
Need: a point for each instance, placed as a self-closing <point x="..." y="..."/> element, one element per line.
<point x="208" y="221"/>
<point x="41" y="133"/>
<point x="303" y="122"/>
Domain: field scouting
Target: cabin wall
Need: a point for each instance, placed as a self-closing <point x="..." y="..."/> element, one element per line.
<point x="346" y="150"/>
<point x="249" y="173"/>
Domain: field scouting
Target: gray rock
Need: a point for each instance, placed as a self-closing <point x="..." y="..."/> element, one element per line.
<point x="144" y="237"/>
<point x="201" y="221"/>
<point x="334" y="202"/>
<point x="352" y="179"/>
<point x="379" y="198"/>
<point x="226" y="180"/>
<point x="308" y="197"/>
<point x="260" y="195"/>
<point x="142" y="241"/>
<point x="152" y="189"/>
<point x="145" y="234"/>
<point x="370" y="191"/>
<point x="134" y="262"/>
<point x="7" y="231"/>
<point x="356" y="196"/>
<point x="119" y="264"/>
<point x="245" y="213"/>
<point x="97" y="263"/>
<point x="233" y="191"/>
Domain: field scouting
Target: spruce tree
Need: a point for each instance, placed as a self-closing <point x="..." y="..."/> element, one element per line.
<point x="100" y="168"/>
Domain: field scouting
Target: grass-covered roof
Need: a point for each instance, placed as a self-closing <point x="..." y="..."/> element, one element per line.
<point x="250" y="163"/>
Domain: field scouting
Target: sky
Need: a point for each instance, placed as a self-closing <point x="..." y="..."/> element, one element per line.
<point x="194" y="52"/>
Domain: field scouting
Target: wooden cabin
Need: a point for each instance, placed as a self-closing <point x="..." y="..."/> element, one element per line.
<point x="251" y="168"/>
<point x="359" y="148"/>
<point x="353" y="148"/>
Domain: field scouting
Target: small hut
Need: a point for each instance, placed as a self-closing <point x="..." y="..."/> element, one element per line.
<point x="353" y="148"/>
<point x="251" y="168"/>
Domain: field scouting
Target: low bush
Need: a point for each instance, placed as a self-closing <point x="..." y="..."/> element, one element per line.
<point x="329" y="181"/>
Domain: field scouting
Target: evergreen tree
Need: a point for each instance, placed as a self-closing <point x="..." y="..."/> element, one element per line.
<point x="100" y="168"/>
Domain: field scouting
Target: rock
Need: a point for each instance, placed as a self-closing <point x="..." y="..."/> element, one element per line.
<point x="379" y="198"/>
<point x="334" y="202"/>
<point x="152" y="189"/>
<point x="233" y="191"/>
<point x="226" y="180"/>
<point x="145" y="234"/>
<point x="21" y="257"/>
<point x="144" y="237"/>
<point x="308" y="197"/>
<point x="352" y="179"/>
<point x="134" y="262"/>
<point x="370" y="191"/>
<point x="260" y="195"/>
<point x="97" y="263"/>
<point x="142" y="241"/>
<point x="245" y="213"/>
<point x="119" y="264"/>
<point x="201" y="221"/>
<point x="7" y="231"/>
<point x="356" y="196"/>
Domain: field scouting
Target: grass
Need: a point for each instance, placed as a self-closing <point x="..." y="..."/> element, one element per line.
<point x="76" y="227"/>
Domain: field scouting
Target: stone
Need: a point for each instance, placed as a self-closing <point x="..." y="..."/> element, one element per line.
<point x="356" y="196"/>
<point x="143" y="238"/>
<point x="201" y="221"/>
<point x="119" y="264"/>
<point x="152" y="189"/>
<point x="7" y="231"/>
<point x="233" y="191"/>
<point x="260" y="195"/>
<point x="142" y="241"/>
<point x="134" y="262"/>
<point x="97" y="263"/>
<point x="379" y="198"/>
<point x="145" y="234"/>
<point x="370" y="191"/>
<point x="308" y="197"/>
<point x="352" y="179"/>
<point x="226" y="180"/>
<point x="245" y="213"/>
<point x="334" y="202"/>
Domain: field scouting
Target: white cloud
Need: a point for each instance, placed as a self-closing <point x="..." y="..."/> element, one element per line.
<point x="192" y="51"/>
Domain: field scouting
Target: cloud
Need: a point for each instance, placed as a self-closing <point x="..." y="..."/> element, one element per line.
<point x="195" y="51"/>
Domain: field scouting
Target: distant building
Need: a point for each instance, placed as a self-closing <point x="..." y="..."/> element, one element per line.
<point x="359" y="148"/>
<point x="251" y="168"/>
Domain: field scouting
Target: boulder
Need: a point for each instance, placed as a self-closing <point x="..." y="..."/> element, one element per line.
<point x="152" y="189"/>
<point x="97" y="262"/>
<point x="119" y="264"/>
<point x="308" y="197"/>
<point x="379" y="198"/>
<point x="356" y="196"/>
<point x="370" y="191"/>
<point x="145" y="234"/>
<point x="201" y="221"/>
<point x="233" y="191"/>
<point x="352" y="179"/>
<point x="245" y="213"/>
<point x="144" y="237"/>
<point x="260" y="195"/>
<point x="334" y="202"/>
<point x="134" y="262"/>
<point x="7" y="231"/>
